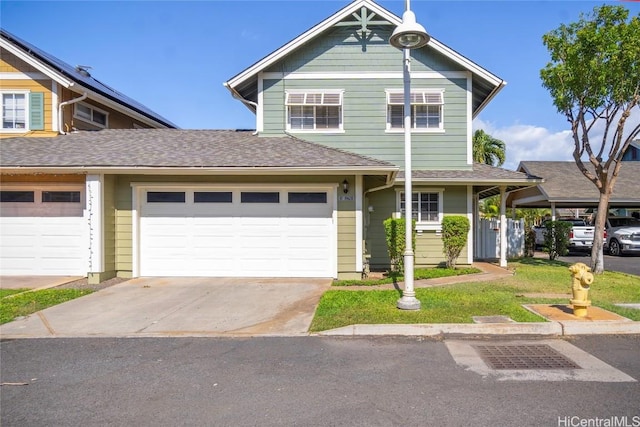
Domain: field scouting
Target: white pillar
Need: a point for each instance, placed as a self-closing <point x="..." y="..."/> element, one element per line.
<point x="95" y="220"/>
<point x="553" y="211"/>
<point x="359" y="223"/>
<point x="503" y="227"/>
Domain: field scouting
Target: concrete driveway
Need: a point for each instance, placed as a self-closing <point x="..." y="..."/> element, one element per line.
<point x="181" y="307"/>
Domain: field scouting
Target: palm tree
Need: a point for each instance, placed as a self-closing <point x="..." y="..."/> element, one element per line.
<point x="487" y="149"/>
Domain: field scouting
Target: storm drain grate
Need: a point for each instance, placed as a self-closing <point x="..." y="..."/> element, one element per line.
<point x="523" y="357"/>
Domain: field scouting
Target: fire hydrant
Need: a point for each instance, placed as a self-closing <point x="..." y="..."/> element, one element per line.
<point x="581" y="278"/>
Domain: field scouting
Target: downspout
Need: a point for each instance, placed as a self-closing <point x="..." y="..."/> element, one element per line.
<point x="64" y="104"/>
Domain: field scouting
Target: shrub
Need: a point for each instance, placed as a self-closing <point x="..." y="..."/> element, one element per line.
<point x="556" y="238"/>
<point x="529" y="241"/>
<point x="394" y="229"/>
<point x="455" y="230"/>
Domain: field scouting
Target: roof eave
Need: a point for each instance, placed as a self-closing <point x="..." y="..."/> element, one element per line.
<point x="164" y="170"/>
<point x="37" y="64"/>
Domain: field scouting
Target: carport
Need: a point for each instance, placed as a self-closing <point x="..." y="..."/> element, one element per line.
<point x="564" y="186"/>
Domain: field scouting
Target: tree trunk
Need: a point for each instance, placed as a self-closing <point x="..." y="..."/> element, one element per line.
<point x="597" y="253"/>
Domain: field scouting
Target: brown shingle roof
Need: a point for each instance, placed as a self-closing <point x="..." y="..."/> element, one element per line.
<point x="480" y="173"/>
<point x="135" y="148"/>
<point x="564" y="183"/>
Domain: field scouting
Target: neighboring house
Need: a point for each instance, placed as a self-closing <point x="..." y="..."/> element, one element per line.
<point x="303" y="195"/>
<point x="633" y="152"/>
<point x="43" y="96"/>
<point x="565" y="186"/>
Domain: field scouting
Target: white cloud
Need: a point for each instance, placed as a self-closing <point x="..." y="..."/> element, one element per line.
<point x="529" y="142"/>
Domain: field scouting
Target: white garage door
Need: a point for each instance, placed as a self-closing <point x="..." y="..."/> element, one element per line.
<point x="237" y="233"/>
<point x="42" y="230"/>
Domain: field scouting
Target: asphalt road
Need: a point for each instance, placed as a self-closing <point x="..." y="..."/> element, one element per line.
<point x="629" y="264"/>
<point x="305" y="381"/>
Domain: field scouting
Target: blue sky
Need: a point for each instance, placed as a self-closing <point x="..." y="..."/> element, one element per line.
<point x="174" y="56"/>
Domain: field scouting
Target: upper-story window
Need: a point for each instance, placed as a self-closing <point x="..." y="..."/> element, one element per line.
<point x="14" y="111"/>
<point x="426" y="110"/>
<point x="318" y="111"/>
<point x="91" y="114"/>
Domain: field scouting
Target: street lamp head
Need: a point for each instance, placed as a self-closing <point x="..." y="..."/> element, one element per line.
<point x="409" y="34"/>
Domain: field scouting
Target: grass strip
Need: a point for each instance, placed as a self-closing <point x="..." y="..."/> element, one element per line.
<point x="7" y="292"/>
<point x="27" y="303"/>
<point x="458" y="303"/>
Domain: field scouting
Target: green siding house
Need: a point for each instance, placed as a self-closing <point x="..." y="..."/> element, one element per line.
<point x="340" y="85"/>
<point x="304" y="195"/>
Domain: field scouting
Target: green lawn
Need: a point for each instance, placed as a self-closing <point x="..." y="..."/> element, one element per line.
<point x="30" y="302"/>
<point x="458" y="303"/>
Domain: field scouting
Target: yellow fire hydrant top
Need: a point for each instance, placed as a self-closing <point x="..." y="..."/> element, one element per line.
<point x="581" y="280"/>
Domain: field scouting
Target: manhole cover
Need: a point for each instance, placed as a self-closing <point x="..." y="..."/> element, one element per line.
<point x="523" y="357"/>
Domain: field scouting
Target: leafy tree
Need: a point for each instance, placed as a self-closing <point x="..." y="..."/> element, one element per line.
<point x="487" y="149"/>
<point x="490" y="207"/>
<point x="594" y="80"/>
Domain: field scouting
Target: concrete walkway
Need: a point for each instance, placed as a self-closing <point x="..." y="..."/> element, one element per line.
<point x="489" y="272"/>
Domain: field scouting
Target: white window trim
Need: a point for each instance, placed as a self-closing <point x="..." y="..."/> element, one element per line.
<point x="424" y="225"/>
<point x="439" y="129"/>
<point x="340" y="92"/>
<point x="27" y="110"/>
<point x="90" y="121"/>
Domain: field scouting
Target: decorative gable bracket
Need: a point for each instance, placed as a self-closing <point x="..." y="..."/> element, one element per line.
<point x="363" y="21"/>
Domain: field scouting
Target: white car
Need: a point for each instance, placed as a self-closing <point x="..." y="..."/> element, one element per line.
<point x="622" y="235"/>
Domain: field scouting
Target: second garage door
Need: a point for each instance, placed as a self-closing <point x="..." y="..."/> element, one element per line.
<point x="249" y="232"/>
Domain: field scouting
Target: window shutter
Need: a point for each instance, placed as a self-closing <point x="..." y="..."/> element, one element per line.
<point x="36" y="111"/>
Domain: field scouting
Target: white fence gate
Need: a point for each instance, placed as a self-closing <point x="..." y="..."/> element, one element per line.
<point x="488" y="239"/>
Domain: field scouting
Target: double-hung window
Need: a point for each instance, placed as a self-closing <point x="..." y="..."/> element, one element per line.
<point x="426" y="208"/>
<point x="15" y="111"/>
<point x="319" y="111"/>
<point x="426" y="110"/>
<point x="91" y="114"/>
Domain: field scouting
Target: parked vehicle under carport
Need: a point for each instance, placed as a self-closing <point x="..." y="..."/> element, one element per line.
<point x="622" y="235"/>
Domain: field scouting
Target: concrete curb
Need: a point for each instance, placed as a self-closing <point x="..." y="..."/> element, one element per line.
<point x="434" y="329"/>
<point x="613" y="327"/>
<point x="538" y="329"/>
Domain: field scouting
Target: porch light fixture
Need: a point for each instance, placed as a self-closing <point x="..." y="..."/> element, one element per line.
<point x="408" y="35"/>
<point x="345" y="186"/>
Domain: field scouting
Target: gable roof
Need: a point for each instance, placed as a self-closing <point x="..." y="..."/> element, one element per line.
<point x="75" y="79"/>
<point x="566" y="186"/>
<point x="200" y="151"/>
<point x="485" y="84"/>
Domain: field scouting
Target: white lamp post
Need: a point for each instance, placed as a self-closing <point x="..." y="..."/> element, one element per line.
<point x="408" y="35"/>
